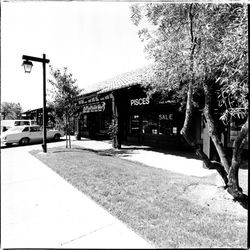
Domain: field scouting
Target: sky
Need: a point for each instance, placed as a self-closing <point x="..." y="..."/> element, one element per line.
<point x="94" y="40"/>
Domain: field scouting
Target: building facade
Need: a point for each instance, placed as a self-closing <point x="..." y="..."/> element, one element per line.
<point x="37" y="116"/>
<point x="143" y="120"/>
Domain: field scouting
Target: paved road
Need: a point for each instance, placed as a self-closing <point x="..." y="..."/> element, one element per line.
<point x="39" y="209"/>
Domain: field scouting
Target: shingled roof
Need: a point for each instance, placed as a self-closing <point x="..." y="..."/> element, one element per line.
<point x="124" y="80"/>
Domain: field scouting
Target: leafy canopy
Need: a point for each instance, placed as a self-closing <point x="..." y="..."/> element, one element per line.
<point x="63" y="94"/>
<point x="11" y="110"/>
<point x="220" y="35"/>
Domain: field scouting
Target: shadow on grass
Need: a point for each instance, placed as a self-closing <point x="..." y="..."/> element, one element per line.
<point x="74" y="149"/>
<point x="106" y="152"/>
<point x="110" y="152"/>
<point x="243" y="201"/>
<point x="128" y="149"/>
<point x="239" y="196"/>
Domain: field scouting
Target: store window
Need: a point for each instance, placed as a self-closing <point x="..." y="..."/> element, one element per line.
<point x="85" y="121"/>
<point x="134" y="124"/>
<point x="167" y="124"/>
<point x="106" y="120"/>
<point x="159" y="124"/>
<point x="150" y="124"/>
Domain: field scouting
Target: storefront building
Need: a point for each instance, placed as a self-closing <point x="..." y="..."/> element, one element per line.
<point x="94" y="116"/>
<point x="37" y="116"/>
<point x="142" y="120"/>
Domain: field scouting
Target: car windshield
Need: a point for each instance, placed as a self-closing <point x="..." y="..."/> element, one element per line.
<point x="16" y="129"/>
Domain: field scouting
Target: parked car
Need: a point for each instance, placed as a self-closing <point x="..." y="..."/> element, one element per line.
<point x="28" y="134"/>
<point x="12" y="123"/>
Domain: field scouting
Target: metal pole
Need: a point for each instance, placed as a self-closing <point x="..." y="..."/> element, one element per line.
<point x="43" y="61"/>
<point x="44" y="146"/>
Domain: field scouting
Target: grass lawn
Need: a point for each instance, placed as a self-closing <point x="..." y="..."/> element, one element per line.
<point x="151" y="201"/>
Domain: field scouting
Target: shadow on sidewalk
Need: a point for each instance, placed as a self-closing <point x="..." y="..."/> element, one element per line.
<point x="187" y="153"/>
<point x="130" y="149"/>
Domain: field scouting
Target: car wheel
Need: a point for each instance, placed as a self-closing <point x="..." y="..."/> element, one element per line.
<point x="57" y="137"/>
<point x="24" y="141"/>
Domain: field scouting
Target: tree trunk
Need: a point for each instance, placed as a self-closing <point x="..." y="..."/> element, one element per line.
<point x="69" y="136"/>
<point x="189" y="111"/>
<point x="199" y="152"/>
<point x="233" y="178"/>
<point x="69" y="129"/>
<point x="189" y="106"/>
<point x="212" y="128"/>
<point x="115" y="142"/>
<point x="229" y="173"/>
<point x="66" y="131"/>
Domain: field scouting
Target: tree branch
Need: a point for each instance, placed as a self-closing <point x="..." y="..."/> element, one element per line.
<point x="233" y="183"/>
<point x="212" y="128"/>
<point x="188" y="116"/>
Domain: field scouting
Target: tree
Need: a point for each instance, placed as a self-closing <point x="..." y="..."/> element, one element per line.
<point x="63" y="95"/>
<point x="11" y="110"/>
<point x="201" y="50"/>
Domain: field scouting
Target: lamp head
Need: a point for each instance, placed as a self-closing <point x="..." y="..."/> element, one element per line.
<point x="27" y="66"/>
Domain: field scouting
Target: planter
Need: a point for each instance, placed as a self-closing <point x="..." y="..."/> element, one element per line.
<point x="78" y="136"/>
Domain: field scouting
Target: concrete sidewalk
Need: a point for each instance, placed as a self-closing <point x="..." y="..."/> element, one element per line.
<point x="174" y="163"/>
<point x="39" y="209"/>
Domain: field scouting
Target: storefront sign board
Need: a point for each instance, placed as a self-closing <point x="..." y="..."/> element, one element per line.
<point x="94" y="107"/>
<point x="165" y="117"/>
<point x="139" y="101"/>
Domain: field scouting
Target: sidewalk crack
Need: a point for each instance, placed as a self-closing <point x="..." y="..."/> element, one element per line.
<point x="86" y="234"/>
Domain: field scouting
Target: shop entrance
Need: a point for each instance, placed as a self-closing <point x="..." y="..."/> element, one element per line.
<point x="158" y="128"/>
<point x="134" y="129"/>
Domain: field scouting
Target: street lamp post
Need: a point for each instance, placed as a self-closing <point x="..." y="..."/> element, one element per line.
<point x="27" y="68"/>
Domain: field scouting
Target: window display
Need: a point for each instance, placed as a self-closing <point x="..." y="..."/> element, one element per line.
<point x="134" y="124"/>
<point x="166" y="124"/>
<point x="150" y="124"/>
<point x="159" y="124"/>
<point x="85" y="121"/>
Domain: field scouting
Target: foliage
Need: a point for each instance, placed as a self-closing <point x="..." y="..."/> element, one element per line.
<point x="201" y="53"/>
<point x="234" y="76"/>
<point x="220" y="55"/>
<point x="113" y="128"/>
<point x="11" y="110"/>
<point x="63" y="95"/>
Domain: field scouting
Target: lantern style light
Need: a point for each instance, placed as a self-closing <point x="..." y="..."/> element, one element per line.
<point x="27" y="66"/>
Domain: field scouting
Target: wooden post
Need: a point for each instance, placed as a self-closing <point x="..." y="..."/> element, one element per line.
<point x="77" y="127"/>
<point x="117" y="137"/>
